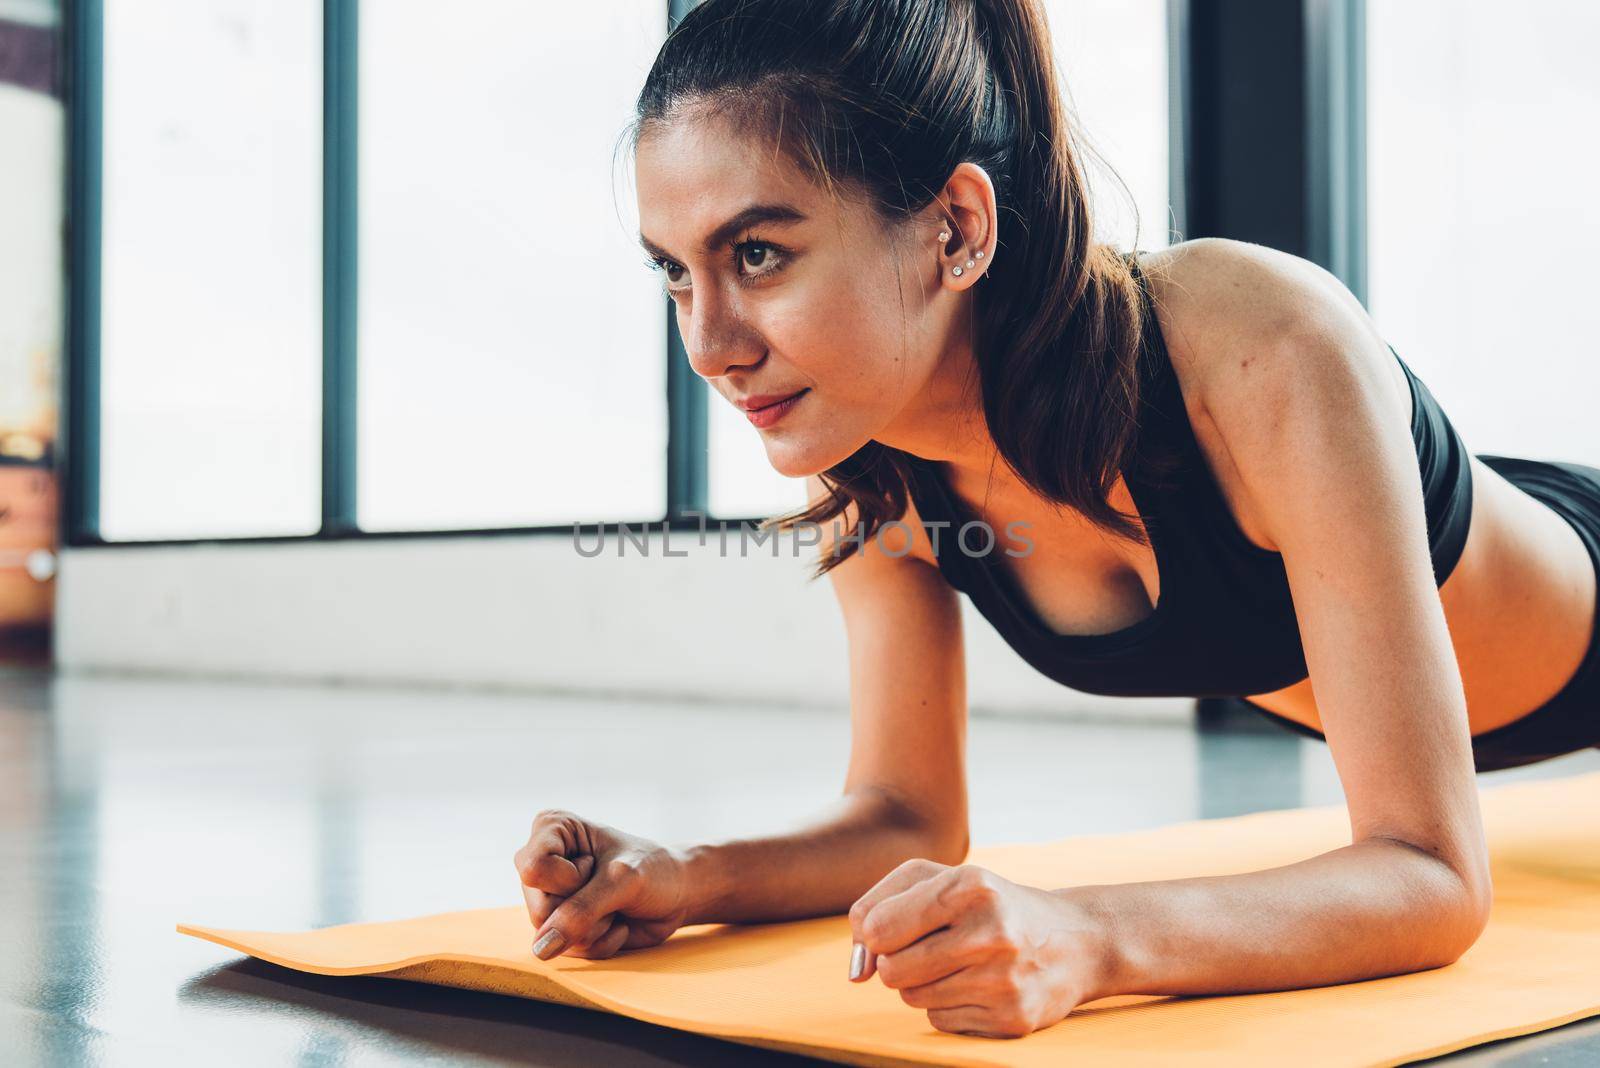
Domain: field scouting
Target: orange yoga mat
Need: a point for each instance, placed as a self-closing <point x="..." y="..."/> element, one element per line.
<point x="783" y="985"/>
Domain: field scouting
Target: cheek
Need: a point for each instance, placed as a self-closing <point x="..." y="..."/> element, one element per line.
<point x="852" y="344"/>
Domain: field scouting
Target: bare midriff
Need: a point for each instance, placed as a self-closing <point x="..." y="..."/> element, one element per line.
<point x="1520" y="605"/>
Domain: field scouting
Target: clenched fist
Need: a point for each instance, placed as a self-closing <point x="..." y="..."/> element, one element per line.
<point x="593" y="890"/>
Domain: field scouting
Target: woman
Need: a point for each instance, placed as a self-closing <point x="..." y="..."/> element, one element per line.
<point x="871" y="218"/>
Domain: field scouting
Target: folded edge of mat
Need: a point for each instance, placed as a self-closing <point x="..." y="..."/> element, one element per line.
<point x="539" y="982"/>
<point x="515" y="983"/>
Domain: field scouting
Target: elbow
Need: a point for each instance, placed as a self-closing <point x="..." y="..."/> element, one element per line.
<point x="948" y="844"/>
<point x="1461" y="917"/>
<point x="956" y="847"/>
<point x="1471" y="915"/>
<point x="1455" y="908"/>
<point x="943" y="837"/>
<point x="1474" y="901"/>
<point x="1458" y="932"/>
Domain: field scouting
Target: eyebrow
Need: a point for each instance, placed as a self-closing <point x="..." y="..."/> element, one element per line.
<point x="751" y="216"/>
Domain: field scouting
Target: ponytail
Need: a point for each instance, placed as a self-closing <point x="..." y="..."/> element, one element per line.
<point x="1060" y="322"/>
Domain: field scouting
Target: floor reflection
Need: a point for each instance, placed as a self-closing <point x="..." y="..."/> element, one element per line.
<point x="477" y="1026"/>
<point x="1248" y="770"/>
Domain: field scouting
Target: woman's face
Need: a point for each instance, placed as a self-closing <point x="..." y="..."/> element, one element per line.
<point x="783" y="289"/>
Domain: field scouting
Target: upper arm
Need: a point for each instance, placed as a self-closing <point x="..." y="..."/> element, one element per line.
<point x="908" y="700"/>
<point x="1294" y="385"/>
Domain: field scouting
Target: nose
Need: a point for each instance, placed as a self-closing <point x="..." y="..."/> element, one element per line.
<point x="715" y="337"/>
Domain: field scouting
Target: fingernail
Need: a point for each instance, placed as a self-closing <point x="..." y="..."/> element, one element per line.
<point x="858" y="960"/>
<point x="549" y="944"/>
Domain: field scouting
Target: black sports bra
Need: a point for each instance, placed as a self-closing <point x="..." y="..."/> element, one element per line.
<point x="1224" y="622"/>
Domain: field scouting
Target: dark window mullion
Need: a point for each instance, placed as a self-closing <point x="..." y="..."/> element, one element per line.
<point x="1275" y="113"/>
<point x="80" y="461"/>
<point x="1336" y="133"/>
<point x="1179" y="135"/>
<point x="688" y="462"/>
<point x="1245" y="106"/>
<point x="339" y="231"/>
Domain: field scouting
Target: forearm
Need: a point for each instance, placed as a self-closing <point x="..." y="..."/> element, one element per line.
<point x="819" y="870"/>
<point x="1374" y="908"/>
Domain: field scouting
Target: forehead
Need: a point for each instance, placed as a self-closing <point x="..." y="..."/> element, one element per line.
<point x="695" y="172"/>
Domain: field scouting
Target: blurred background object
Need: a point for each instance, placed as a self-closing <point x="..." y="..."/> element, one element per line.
<point x="32" y="133"/>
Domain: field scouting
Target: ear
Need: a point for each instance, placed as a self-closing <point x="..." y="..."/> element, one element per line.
<point x="971" y="217"/>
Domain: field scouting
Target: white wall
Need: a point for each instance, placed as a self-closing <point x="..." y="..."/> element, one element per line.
<point x="516" y="611"/>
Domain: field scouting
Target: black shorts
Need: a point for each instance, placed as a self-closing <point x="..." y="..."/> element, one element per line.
<point x="1570" y="720"/>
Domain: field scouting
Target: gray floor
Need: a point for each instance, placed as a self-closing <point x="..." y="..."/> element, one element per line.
<point x="129" y="805"/>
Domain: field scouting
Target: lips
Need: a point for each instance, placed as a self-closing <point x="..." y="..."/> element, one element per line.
<point x="763" y="410"/>
<point x="766" y="400"/>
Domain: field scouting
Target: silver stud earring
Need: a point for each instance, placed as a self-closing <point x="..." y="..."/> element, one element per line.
<point x="956" y="271"/>
<point x="944" y="235"/>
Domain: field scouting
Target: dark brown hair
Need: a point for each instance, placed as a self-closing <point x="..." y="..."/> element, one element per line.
<point x="885" y="98"/>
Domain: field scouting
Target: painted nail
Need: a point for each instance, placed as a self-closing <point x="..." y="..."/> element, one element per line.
<point x="549" y="944"/>
<point x="858" y="960"/>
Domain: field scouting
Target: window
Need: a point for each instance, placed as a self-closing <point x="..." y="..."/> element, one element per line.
<point x="211" y="269"/>
<point x="1113" y="60"/>
<point x="1480" y="206"/>
<point x="512" y="366"/>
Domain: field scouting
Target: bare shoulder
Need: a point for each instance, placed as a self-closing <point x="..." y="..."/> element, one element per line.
<point x="1228" y="306"/>
<point x="1253" y="333"/>
<point x="1246" y="324"/>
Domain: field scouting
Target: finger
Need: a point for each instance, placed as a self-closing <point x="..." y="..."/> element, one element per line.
<point x="908" y="874"/>
<point x="584" y="916"/>
<point x="921" y="909"/>
<point x="931" y="959"/>
<point x="905" y="875"/>
<point x="976" y="1020"/>
<point x="607" y="944"/>
<point x="647" y="932"/>
<point x="956" y="990"/>
<point x="547" y="836"/>
<point x="549" y="863"/>
<point x="541" y="904"/>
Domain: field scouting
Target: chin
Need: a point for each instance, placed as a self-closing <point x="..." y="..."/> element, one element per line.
<point x="803" y="462"/>
<point x="793" y="460"/>
<point x="791" y="467"/>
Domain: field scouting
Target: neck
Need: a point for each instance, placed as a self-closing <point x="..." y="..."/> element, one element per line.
<point x="944" y="423"/>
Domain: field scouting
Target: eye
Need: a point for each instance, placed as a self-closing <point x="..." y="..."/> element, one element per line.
<point x="753" y="259"/>
<point x="666" y="267"/>
<point x="762" y="258"/>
